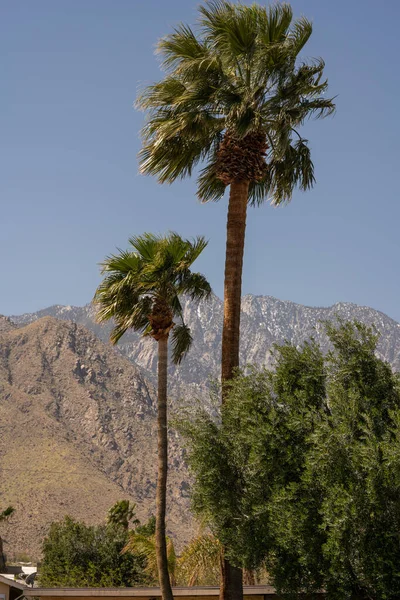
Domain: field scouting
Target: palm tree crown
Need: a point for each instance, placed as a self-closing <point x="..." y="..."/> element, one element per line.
<point x="234" y="96"/>
<point x="142" y="287"/>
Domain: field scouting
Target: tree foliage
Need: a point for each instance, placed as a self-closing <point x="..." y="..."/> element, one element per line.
<point x="302" y="472"/>
<point x="123" y="514"/>
<point x="80" y="555"/>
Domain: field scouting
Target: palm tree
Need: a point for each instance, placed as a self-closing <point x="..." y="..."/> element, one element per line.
<point x="141" y="291"/>
<point x="145" y="545"/>
<point x="233" y="98"/>
<point x="4" y="516"/>
<point x="200" y="560"/>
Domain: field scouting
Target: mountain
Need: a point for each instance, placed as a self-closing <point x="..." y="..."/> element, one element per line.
<point x="77" y="416"/>
<point x="77" y="433"/>
<point x="6" y="324"/>
<point x="265" y="321"/>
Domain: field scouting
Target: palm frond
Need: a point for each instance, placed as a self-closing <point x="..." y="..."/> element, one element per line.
<point x="176" y="306"/>
<point x="171" y="158"/>
<point x="124" y="262"/>
<point x="194" y="249"/>
<point x="229" y="28"/>
<point x="181" y="45"/>
<point x="181" y="341"/>
<point x="145" y="546"/>
<point x="300" y="34"/>
<point x="293" y="168"/>
<point x="276" y="23"/>
<point x="164" y="93"/>
<point x="145" y="245"/>
<point x="138" y="317"/>
<point x="209" y="187"/>
<point x="195" y="285"/>
<point x="199" y="562"/>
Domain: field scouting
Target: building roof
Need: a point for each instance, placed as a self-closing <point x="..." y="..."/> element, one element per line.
<point x="151" y="592"/>
<point x="10" y="581"/>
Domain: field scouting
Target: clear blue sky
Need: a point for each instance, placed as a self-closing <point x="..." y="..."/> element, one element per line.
<point x="70" y="191"/>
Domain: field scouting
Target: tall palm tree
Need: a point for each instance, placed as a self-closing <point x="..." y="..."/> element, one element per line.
<point x="234" y="97"/>
<point x="4" y="516"/>
<point x="141" y="290"/>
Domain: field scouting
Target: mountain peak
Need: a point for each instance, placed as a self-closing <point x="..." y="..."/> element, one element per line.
<point x="6" y="324"/>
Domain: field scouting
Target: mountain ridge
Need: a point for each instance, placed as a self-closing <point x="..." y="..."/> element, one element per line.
<point x="75" y="307"/>
<point x="265" y="320"/>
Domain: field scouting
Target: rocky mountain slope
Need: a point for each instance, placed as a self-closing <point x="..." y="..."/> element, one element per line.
<point x="77" y="433"/>
<point x="265" y="321"/>
<point x="77" y="419"/>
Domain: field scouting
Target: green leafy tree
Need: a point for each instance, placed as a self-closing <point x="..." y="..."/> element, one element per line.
<point x="141" y="291"/>
<point x="254" y="445"/>
<point x="122" y="514"/>
<point x="79" y="555"/>
<point x="304" y="461"/>
<point x="234" y="98"/>
<point x="338" y="527"/>
<point x="148" y="528"/>
<point x="4" y="516"/>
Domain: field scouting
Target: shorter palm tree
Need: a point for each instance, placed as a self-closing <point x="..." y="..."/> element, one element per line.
<point x="141" y="290"/>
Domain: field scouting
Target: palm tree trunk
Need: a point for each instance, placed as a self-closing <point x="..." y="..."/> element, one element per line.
<point x="236" y="227"/>
<point x="2" y="559"/>
<point x="231" y="587"/>
<point x="161" y="494"/>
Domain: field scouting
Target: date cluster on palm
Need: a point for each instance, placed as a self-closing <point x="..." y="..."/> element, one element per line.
<point x="242" y="159"/>
<point x="160" y="320"/>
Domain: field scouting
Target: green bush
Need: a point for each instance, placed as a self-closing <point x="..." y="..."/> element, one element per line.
<point x="80" y="555"/>
<point x="300" y="468"/>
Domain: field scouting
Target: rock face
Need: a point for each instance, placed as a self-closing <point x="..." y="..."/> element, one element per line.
<point x="77" y="433"/>
<point x="6" y="324"/>
<point x="265" y="321"/>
